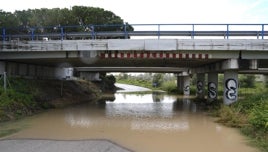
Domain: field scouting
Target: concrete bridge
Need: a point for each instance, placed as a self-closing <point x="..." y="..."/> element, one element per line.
<point x="190" y="52"/>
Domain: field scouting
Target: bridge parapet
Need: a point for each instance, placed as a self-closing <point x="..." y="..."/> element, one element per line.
<point x="136" y="45"/>
<point x="126" y="31"/>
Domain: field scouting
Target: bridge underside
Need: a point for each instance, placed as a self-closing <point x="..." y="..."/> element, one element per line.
<point x="74" y="59"/>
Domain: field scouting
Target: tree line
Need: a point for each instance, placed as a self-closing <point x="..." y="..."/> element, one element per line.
<point x="54" y="18"/>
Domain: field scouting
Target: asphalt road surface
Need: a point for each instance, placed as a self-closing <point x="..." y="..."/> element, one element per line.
<point x="32" y="145"/>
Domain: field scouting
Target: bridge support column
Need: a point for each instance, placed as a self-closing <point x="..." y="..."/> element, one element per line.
<point x="2" y="67"/>
<point x="183" y="84"/>
<point x="90" y="76"/>
<point x="212" y="87"/>
<point x="200" y="87"/>
<point x="230" y="87"/>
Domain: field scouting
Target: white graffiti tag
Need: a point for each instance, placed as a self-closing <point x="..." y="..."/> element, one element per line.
<point x="231" y="89"/>
<point x="187" y="88"/>
<point x="212" y="90"/>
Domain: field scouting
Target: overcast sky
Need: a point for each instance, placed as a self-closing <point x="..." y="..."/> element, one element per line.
<point x="162" y="11"/>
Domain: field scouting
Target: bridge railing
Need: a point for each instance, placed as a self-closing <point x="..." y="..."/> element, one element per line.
<point x="141" y="31"/>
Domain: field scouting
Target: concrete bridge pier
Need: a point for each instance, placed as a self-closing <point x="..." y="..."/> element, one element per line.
<point x="230" y="83"/>
<point x="230" y="87"/>
<point x="212" y="87"/>
<point x="200" y="85"/>
<point x="90" y="76"/>
<point x="2" y="67"/>
<point x="183" y="83"/>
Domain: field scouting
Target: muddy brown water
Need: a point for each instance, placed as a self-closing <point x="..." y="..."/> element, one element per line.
<point x="142" y="123"/>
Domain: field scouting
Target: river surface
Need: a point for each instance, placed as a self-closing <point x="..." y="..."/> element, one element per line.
<point x="152" y="122"/>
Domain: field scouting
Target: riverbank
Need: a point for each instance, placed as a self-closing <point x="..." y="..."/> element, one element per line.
<point x="250" y="115"/>
<point x="25" y="97"/>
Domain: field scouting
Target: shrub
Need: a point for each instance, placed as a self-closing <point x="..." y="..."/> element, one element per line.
<point x="258" y="117"/>
<point x="232" y="117"/>
<point x="170" y="87"/>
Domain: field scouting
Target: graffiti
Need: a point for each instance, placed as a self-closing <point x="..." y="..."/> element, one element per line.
<point x="199" y="87"/>
<point x="212" y="90"/>
<point x="187" y="88"/>
<point x="231" y="89"/>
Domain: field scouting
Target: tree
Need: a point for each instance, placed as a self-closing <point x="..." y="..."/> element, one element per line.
<point x="157" y="79"/>
<point x="8" y="19"/>
<point x="50" y="20"/>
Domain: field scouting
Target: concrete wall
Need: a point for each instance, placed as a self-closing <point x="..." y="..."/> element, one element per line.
<point x="34" y="71"/>
<point x="90" y="76"/>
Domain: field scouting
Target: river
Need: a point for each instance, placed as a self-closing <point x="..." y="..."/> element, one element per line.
<point x="150" y="122"/>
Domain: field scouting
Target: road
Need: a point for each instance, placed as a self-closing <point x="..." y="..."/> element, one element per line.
<point x="31" y="145"/>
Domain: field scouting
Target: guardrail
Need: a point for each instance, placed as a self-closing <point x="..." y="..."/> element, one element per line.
<point x="126" y="31"/>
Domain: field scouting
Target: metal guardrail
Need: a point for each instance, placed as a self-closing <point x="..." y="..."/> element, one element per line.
<point x="124" y="31"/>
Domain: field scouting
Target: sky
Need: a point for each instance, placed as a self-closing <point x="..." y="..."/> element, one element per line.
<point x="162" y="11"/>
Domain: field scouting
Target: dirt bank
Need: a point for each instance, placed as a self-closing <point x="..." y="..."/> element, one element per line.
<point x="62" y="93"/>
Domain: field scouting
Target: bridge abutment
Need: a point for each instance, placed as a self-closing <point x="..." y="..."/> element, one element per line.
<point x="32" y="71"/>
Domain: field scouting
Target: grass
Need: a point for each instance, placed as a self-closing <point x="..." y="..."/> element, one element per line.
<point x="250" y="115"/>
<point x="6" y="132"/>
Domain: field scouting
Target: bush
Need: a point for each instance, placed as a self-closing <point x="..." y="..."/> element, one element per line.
<point x="232" y="117"/>
<point x="247" y="81"/>
<point x="170" y="87"/>
<point x="258" y="118"/>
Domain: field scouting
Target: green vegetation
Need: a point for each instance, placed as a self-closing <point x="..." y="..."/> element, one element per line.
<point x="19" y="99"/>
<point x="22" y="22"/>
<point x="250" y="115"/>
<point x="157" y="81"/>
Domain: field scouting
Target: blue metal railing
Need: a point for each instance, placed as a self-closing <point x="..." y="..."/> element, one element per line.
<point x="126" y="31"/>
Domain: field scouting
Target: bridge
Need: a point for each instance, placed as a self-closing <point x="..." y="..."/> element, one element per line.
<point x="184" y="49"/>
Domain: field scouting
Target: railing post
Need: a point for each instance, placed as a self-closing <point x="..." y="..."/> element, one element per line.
<point x="227" y="31"/>
<point x="4" y="34"/>
<point x="158" y="32"/>
<point x="32" y="34"/>
<point x="262" y="31"/>
<point x="62" y="33"/>
<point x="5" y="81"/>
<point x="92" y="32"/>
<point x="125" y="30"/>
<point x="193" y="32"/>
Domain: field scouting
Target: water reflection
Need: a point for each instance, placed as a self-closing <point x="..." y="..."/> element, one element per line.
<point x="162" y="125"/>
<point x="157" y="96"/>
<point x="140" y="106"/>
<point x="144" y="111"/>
<point x="139" y="123"/>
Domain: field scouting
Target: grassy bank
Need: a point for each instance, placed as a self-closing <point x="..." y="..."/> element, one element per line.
<point x="19" y="100"/>
<point x="250" y="115"/>
<point x="25" y="97"/>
